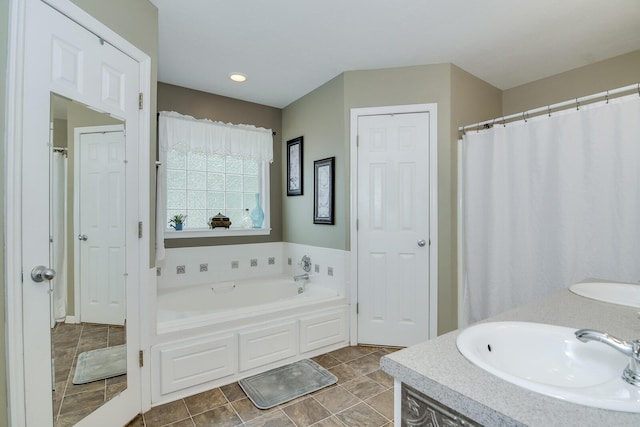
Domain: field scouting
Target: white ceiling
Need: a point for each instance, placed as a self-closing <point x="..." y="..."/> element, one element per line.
<point x="287" y="48"/>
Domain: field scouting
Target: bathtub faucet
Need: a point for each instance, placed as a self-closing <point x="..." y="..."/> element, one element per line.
<point x="631" y="373"/>
<point x="300" y="277"/>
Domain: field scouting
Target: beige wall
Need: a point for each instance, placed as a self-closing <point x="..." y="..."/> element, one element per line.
<point x="318" y="118"/>
<point x="205" y="105"/>
<point x="612" y="73"/>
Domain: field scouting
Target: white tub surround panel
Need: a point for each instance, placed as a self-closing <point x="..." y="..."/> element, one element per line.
<point x="196" y="361"/>
<point x="209" y="264"/>
<point x="240" y="348"/>
<point x="329" y="266"/>
<point x="261" y="346"/>
<point x="195" y="349"/>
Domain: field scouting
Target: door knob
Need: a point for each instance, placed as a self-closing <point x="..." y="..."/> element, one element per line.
<point x="42" y="273"/>
<point x="82" y="237"/>
<point x="421" y="243"/>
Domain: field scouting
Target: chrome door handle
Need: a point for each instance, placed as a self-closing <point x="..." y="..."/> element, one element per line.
<point x="82" y="237"/>
<point x="42" y="273"/>
<point x="421" y="243"/>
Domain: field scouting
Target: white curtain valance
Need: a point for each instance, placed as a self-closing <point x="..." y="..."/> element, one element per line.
<point x="185" y="133"/>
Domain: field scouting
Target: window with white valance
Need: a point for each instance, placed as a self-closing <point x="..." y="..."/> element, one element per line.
<point x="207" y="168"/>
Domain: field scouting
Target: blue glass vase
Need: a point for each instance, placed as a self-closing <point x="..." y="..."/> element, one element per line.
<point x="257" y="214"/>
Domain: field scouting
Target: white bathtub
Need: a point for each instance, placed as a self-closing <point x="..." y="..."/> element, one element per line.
<point x="193" y="306"/>
<point x="214" y="334"/>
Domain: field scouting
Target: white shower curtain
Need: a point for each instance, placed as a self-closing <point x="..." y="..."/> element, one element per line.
<point x="59" y="238"/>
<point x="550" y="202"/>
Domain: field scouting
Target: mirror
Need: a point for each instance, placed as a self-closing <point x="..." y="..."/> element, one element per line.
<point x="88" y="336"/>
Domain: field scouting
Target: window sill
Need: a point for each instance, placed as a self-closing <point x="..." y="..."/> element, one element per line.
<point x="218" y="232"/>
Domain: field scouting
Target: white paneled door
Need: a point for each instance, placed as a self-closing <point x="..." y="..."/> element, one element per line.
<point x="101" y="228"/>
<point x="63" y="57"/>
<point x="393" y="229"/>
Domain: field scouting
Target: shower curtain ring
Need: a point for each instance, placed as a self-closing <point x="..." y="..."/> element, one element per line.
<point x="606" y="97"/>
<point x="524" y="116"/>
<point x="577" y="105"/>
<point x="549" y="110"/>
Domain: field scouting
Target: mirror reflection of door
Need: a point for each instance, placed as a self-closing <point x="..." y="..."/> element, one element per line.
<point x="88" y="299"/>
<point x="62" y="56"/>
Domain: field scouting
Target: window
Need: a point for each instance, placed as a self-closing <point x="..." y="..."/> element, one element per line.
<point x="201" y="186"/>
<point x="207" y="168"/>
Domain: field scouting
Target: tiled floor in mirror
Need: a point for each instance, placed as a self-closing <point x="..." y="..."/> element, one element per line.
<point x="73" y="402"/>
<point x="362" y="397"/>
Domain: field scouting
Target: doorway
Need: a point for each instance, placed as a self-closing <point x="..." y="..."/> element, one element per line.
<point x="394" y="224"/>
<point x="100" y="223"/>
<point x="54" y="50"/>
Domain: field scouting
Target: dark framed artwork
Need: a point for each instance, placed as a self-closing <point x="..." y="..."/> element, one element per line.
<point x="294" y="167"/>
<point x="323" y="191"/>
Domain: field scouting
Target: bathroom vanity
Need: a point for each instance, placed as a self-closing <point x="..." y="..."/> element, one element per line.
<point x="433" y="381"/>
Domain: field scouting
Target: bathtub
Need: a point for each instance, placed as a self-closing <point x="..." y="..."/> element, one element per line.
<point x="214" y="334"/>
<point x="210" y="303"/>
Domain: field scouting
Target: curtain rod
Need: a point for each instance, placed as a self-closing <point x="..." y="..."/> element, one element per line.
<point x="524" y="115"/>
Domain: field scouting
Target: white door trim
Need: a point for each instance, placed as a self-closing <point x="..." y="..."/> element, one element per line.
<point x="13" y="194"/>
<point x="432" y="109"/>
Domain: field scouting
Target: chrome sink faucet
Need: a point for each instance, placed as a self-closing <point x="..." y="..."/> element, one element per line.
<point x="631" y="373"/>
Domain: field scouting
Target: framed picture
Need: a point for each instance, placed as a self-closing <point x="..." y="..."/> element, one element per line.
<point x="294" y="167"/>
<point x="323" y="190"/>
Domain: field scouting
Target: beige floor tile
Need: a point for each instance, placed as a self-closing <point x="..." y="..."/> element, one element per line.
<point x="222" y="416"/>
<point x="361" y="415"/>
<point x="233" y="392"/>
<point x="336" y="399"/>
<point x="363" y="387"/>
<point x="275" y="418"/>
<point x="205" y="401"/>
<point x="383" y="403"/>
<point x="306" y="412"/>
<point x="166" y="414"/>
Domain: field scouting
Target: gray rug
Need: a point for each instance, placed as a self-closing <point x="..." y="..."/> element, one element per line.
<point x="280" y="385"/>
<point x="100" y="364"/>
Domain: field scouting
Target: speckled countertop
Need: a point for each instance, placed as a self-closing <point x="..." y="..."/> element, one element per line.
<point x="438" y="370"/>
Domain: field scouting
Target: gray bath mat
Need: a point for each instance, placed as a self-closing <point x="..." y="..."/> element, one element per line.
<point x="280" y="385"/>
<point x="99" y="364"/>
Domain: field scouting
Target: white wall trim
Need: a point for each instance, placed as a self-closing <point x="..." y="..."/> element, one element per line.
<point x="432" y="109"/>
<point x="12" y="211"/>
<point x="13" y="199"/>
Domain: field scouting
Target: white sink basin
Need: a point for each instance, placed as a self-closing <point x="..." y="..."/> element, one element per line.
<point x="616" y="293"/>
<point x="549" y="359"/>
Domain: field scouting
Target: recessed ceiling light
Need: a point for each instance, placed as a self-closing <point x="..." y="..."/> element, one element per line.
<point x="238" y="77"/>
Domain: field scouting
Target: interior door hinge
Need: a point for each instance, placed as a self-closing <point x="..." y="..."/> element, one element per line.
<point x="139" y="229"/>
<point x="140" y="100"/>
<point x="141" y="358"/>
<point x="357" y="140"/>
<point x="357" y="224"/>
<point x="357" y="308"/>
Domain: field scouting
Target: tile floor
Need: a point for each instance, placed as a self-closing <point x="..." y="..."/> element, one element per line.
<point x="363" y="397"/>
<point x="73" y="402"/>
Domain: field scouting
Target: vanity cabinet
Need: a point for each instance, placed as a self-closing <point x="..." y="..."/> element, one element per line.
<point x="418" y="410"/>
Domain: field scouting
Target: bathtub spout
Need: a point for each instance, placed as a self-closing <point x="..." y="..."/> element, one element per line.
<point x="300" y="277"/>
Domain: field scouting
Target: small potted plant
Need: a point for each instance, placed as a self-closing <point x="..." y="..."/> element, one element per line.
<point x="177" y="221"/>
